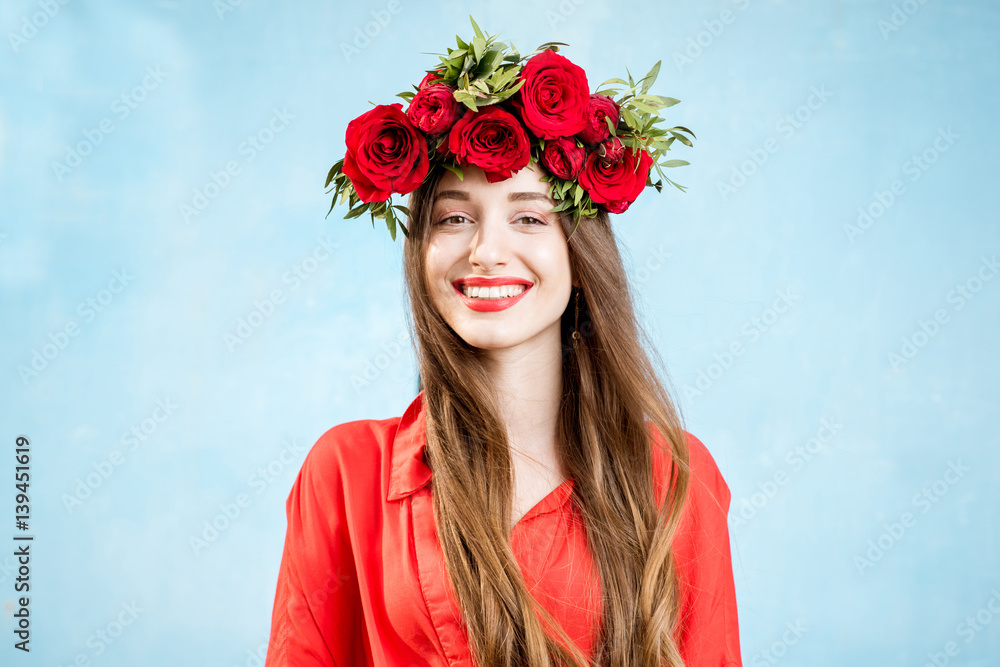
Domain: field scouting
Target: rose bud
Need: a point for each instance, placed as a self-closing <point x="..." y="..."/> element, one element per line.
<point x="611" y="150"/>
<point x="433" y="110"/>
<point x="429" y="78"/>
<point x="563" y="157"/>
<point x="600" y="106"/>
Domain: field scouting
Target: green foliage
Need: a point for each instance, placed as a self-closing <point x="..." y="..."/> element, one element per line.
<point x="485" y="71"/>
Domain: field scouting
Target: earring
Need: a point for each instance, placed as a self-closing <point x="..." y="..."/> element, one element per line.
<point x="576" y="320"/>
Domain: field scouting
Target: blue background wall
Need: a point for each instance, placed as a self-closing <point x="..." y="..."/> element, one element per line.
<point x="865" y="485"/>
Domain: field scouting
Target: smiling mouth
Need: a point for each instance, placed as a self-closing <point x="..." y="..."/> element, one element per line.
<point x="491" y="299"/>
<point x="492" y="293"/>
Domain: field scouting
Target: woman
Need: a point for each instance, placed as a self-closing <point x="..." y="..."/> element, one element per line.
<point x="539" y="502"/>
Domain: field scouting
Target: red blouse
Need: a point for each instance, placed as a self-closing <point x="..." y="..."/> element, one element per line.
<point x="363" y="582"/>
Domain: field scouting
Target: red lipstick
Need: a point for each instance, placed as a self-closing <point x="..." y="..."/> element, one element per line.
<point x="490" y="305"/>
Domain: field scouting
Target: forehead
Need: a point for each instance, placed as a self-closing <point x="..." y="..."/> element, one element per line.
<point x="525" y="185"/>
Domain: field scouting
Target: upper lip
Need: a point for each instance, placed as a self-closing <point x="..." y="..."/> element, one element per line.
<point x="491" y="281"/>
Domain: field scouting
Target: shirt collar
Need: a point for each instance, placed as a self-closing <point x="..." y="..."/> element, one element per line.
<point x="409" y="472"/>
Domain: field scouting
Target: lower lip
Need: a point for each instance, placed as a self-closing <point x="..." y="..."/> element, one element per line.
<point x="491" y="305"/>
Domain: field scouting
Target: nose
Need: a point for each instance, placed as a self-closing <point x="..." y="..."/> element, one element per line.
<point x="489" y="245"/>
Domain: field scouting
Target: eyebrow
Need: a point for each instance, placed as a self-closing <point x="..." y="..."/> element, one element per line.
<point x="513" y="196"/>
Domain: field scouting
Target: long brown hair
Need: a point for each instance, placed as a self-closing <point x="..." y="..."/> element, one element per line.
<point x="610" y="390"/>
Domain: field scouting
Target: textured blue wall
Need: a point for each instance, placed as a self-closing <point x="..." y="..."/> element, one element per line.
<point x="839" y="233"/>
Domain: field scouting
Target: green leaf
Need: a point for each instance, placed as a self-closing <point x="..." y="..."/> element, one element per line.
<point x="651" y="77"/>
<point x="645" y="108"/>
<point x="478" y="46"/>
<point x="479" y="33"/>
<point x="502" y="79"/>
<point x="624" y="83"/>
<point x="662" y="102"/>
<point x="675" y="163"/>
<point x="467" y="66"/>
<point x="548" y="44"/>
<point x="684" y="140"/>
<point x="510" y="91"/>
<point x="334" y="170"/>
<point x="455" y="169"/>
<point x="390" y="222"/>
<point x="629" y="117"/>
<point x="563" y="205"/>
<point x="611" y="125"/>
<point x="403" y="209"/>
<point x="355" y="212"/>
<point x="488" y="63"/>
<point x="684" y="129"/>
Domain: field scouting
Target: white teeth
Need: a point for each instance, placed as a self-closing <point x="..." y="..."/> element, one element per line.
<point x="493" y="292"/>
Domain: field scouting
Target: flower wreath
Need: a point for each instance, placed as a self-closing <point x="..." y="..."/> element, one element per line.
<point x="488" y="106"/>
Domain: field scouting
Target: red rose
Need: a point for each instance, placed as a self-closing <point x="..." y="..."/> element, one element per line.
<point x="611" y="150"/>
<point x="429" y="78"/>
<point x="616" y="185"/>
<point x="554" y="97"/>
<point x="385" y="153"/>
<point x="434" y="110"/>
<point x="563" y="157"/>
<point x="491" y="139"/>
<point x="597" y="128"/>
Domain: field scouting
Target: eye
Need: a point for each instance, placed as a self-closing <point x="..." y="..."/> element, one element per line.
<point x="450" y="217"/>
<point x="533" y="220"/>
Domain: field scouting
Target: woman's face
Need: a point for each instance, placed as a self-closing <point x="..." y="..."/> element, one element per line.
<point x="499" y="235"/>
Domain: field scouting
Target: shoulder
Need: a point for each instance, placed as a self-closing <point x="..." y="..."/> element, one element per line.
<point x="706" y="478"/>
<point x="348" y="455"/>
<point x="353" y="442"/>
<point x="707" y="485"/>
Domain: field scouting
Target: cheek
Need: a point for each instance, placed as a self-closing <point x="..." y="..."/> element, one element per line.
<point x="554" y="261"/>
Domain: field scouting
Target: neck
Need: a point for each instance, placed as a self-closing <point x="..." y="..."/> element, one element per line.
<point x="528" y="383"/>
